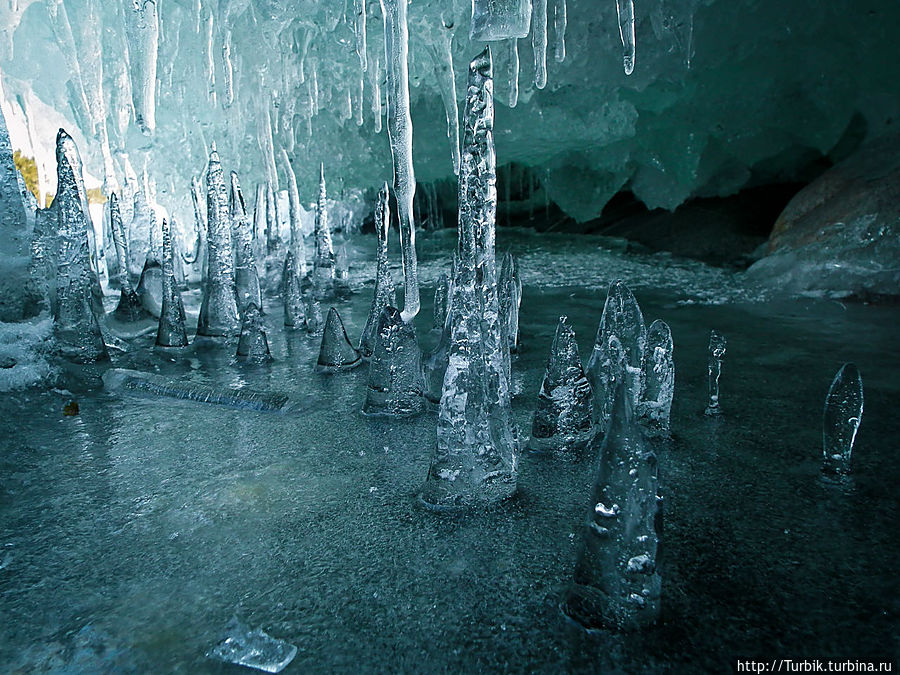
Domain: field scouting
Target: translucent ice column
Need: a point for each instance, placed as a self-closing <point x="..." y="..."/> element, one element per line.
<point x="323" y="263"/>
<point x="717" y="344"/>
<point x="218" y="311"/>
<point x="618" y="352"/>
<point x="563" y="418"/>
<point x="336" y="352"/>
<point x="539" y="43"/>
<point x="129" y="307"/>
<point x="476" y="451"/>
<point x="396" y="49"/>
<point x="253" y="345"/>
<point x="843" y="413"/>
<point x="292" y="295"/>
<point x="172" y="332"/>
<point x="384" y="294"/>
<point x="298" y="246"/>
<point x="500" y="19"/>
<point x="659" y="379"/>
<point x="395" y="384"/>
<point x="246" y="277"/>
<point x="616" y="583"/>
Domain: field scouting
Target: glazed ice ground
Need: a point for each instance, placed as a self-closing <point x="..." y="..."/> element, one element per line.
<point x="130" y="534"/>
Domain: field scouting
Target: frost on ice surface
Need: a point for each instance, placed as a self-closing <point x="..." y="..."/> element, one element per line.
<point x="336" y="352"/>
<point x="564" y="416"/>
<point x="843" y="413"/>
<point x="384" y="294"/>
<point x="717" y="345"/>
<point x="476" y="440"/>
<point x="395" y="382"/>
<point x="252" y="648"/>
<point x="659" y="379"/>
<point x="253" y="346"/>
<point x="172" y="332"/>
<point x="500" y="19"/>
<point x="616" y="582"/>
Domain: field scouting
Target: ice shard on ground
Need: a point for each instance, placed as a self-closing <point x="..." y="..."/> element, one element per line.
<point x="659" y="380"/>
<point x="172" y="332"/>
<point x="395" y="383"/>
<point x="384" y="294"/>
<point x="617" y="584"/>
<point x="292" y="296"/>
<point x="252" y="648"/>
<point x="717" y="345"/>
<point x="218" y="311"/>
<point x="618" y="352"/>
<point x="510" y="299"/>
<point x="323" y="263"/>
<point x="246" y="277"/>
<point x="336" y="352"/>
<point x="843" y="413"/>
<point x="253" y="346"/>
<point x="563" y="418"/>
<point x="475" y="457"/>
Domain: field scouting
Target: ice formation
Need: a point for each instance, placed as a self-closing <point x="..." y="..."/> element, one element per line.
<point x="494" y="20"/>
<point x="149" y="288"/>
<point x="315" y="323"/>
<point x="539" y="42"/>
<point x="618" y="352"/>
<point x="336" y="352"/>
<point x="396" y="49"/>
<point x="246" y="276"/>
<point x="219" y="311"/>
<point x="441" y="302"/>
<point x="625" y="12"/>
<point x="717" y="344"/>
<point x="142" y="32"/>
<point x="172" y="332"/>
<point x="384" y="294"/>
<point x="252" y="648"/>
<point x="14" y="247"/>
<point x="564" y="415"/>
<point x="510" y="291"/>
<point x="843" y="413"/>
<point x="475" y="455"/>
<point x="560" y="22"/>
<point x="297" y="244"/>
<point x="129" y="307"/>
<point x="617" y="583"/>
<point x="323" y="263"/>
<point x="292" y="295"/>
<point x="253" y="346"/>
<point x="395" y="383"/>
<point x="201" y="250"/>
<point x="659" y="379"/>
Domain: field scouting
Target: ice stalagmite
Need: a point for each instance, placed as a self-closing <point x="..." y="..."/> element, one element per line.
<point x="625" y="12"/>
<point x="260" y="214"/>
<point x="559" y="29"/>
<point x="253" y="346"/>
<point x="659" y="379"/>
<point x="201" y="257"/>
<point x="336" y="352"/>
<point x="384" y="294"/>
<point x="142" y="31"/>
<point x="172" y="332"/>
<point x="476" y="451"/>
<point x="14" y="244"/>
<point x="323" y="264"/>
<point x="246" y="277"/>
<point x="75" y="324"/>
<point x="292" y="295"/>
<point x="218" y="311"/>
<point x="843" y="413"/>
<point x="441" y="302"/>
<point x="395" y="382"/>
<point x="314" y="321"/>
<point x="396" y="49"/>
<point x="563" y="418"/>
<point x="510" y="291"/>
<point x="149" y="288"/>
<point x="273" y="236"/>
<point x="618" y="352"/>
<point x="298" y="247"/>
<point x="617" y="584"/>
<point x="500" y="19"/>
<point x="717" y="345"/>
<point x="129" y="307"/>
<point x="539" y="42"/>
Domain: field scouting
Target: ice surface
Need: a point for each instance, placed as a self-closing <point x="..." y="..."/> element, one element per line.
<point x="336" y="352"/>
<point x="475" y="455"/>
<point x="717" y="344"/>
<point x="625" y="12"/>
<point x="172" y="331"/>
<point x="384" y="294"/>
<point x="292" y="295"/>
<point x="617" y="584"/>
<point x="252" y="648"/>
<point x="253" y="345"/>
<point x="659" y="379"/>
<point x="564" y="416"/>
<point x="395" y="383"/>
<point x="618" y="352"/>
<point x="246" y="276"/>
<point x="494" y="20"/>
<point x="843" y="413"/>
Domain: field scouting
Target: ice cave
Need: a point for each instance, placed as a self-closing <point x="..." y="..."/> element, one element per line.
<point x="447" y="336"/>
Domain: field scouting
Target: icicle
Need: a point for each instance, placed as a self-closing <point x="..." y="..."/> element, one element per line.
<point x="384" y="294"/>
<point x="539" y="42"/>
<point x="142" y="31"/>
<point x="298" y="247"/>
<point x="358" y="101"/>
<point x="228" y="69"/>
<point x="396" y="47"/>
<point x="210" y="62"/>
<point x="513" y="72"/>
<point x="267" y="144"/>
<point x="376" y="94"/>
<point x="360" y="8"/>
<point x="442" y="55"/>
<point x="171" y="331"/>
<point x="559" y="30"/>
<point x="625" y="12"/>
<point x="62" y="29"/>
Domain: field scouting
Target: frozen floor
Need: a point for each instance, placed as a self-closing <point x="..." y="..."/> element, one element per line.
<point x="130" y="534"/>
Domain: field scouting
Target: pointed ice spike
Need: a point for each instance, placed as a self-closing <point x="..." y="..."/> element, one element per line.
<point x="617" y="583"/>
<point x="510" y="299"/>
<point x="384" y="284"/>
<point x="659" y="380"/>
<point x="171" y="331"/>
<point x="843" y="413"/>
<point x="336" y="352"/>
<point x="218" y="311"/>
<point x="253" y="345"/>
<point x="395" y="380"/>
<point x="314" y="320"/>
<point x="294" y="303"/>
<point x="621" y="319"/>
<point x="475" y="455"/>
<point x="298" y="246"/>
<point x="273" y="237"/>
<point x="625" y="12"/>
<point x="323" y="265"/>
<point x="14" y="244"/>
<point x="563" y="415"/>
<point x="246" y="277"/>
<point x="441" y="302"/>
<point x="129" y="307"/>
<point x="75" y="324"/>
<point x="717" y="345"/>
